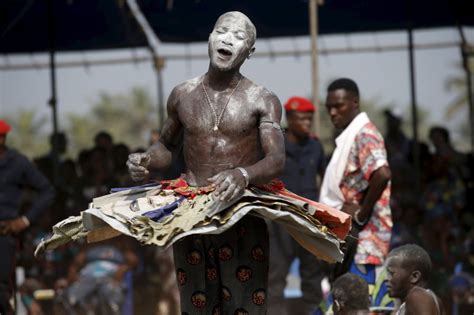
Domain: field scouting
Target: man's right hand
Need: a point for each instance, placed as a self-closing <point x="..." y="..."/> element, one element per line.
<point x="138" y="165"/>
<point x="13" y="226"/>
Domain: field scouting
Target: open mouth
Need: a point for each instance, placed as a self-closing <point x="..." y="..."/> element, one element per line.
<point x="224" y="52"/>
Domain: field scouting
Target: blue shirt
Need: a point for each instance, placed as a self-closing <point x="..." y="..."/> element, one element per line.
<point x="304" y="161"/>
<point x="16" y="173"/>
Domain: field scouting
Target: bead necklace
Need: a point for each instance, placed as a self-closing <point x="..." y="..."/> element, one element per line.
<point x="217" y="119"/>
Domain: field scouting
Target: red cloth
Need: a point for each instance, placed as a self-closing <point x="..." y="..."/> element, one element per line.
<point x="180" y="186"/>
<point x="335" y="220"/>
<point x="4" y="127"/>
<point x="299" y="104"/>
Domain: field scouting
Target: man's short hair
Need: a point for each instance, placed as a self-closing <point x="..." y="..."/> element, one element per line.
<point x="345" y="84"/>
<point x="352" y="291"/>
<point x="59" y="136"/>
<point x="442" y="131"/>
<point x="103" y="135"/>
<point x="413" y="257"/>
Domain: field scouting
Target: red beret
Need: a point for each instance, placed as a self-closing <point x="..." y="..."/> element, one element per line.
<point x="299" y="104"/>
<point x="4" y="127"/>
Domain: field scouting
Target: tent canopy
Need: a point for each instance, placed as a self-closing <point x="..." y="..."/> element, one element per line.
<point x="107" y="24"/>
<point x="79" y="25"/>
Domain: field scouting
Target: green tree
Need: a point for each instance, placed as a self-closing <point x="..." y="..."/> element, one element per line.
<point x="460" y="104"/>
<point x="80" y="133"/>
<point x="28" y="135"/>
<point x="127" y="117"/>
<point x="458" y="84"/>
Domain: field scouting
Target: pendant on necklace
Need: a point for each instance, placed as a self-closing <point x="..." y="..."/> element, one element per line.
<point x="215" y="128"/>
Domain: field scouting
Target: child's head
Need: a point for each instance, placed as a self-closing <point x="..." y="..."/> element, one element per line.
<point x="407" y="266"/>
<point x="351" y="294"/>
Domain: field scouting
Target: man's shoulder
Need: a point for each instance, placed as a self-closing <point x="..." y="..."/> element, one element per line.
<point x="181" y="91"/>
<point x="369" y="130"/>
<point x="16" y="157"/>
<point x="420" y="297"/>
<point x="187" y="85"/>
<point x="14" y="154"/>
<point x="257" y="89"/>
<point x="260" y="97"/>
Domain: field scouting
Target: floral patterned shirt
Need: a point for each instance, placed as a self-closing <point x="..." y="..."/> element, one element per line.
<point x="366" y="156"/>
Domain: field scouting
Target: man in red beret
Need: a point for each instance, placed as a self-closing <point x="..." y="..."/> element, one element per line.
<point x="16" y="171"/>
<point x="299" y="105"/>
<point x="4" y="127"/>
<point x="304" y="162"/>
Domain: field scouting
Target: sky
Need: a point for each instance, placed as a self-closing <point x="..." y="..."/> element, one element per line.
<point x="380" y="75"/>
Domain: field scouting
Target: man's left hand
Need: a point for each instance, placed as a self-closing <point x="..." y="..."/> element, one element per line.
<point x="350" y="208"/>
<point x="229" y="184"/>
<point x="354" y="209"/>
<point x="13" y="226"/>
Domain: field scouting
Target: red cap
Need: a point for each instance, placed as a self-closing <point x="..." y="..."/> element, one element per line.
<point x="299" y="104"/>
<point x="4" y="127"/>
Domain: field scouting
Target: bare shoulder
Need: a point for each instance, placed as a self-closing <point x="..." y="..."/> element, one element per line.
<point x="419" y="301"/>
<point x="183" y="89"/>
<point x="261" y="97"/>
<point x="189" y="85"/>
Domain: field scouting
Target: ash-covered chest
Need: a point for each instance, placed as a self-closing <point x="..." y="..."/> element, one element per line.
<point x="198" y="115"/>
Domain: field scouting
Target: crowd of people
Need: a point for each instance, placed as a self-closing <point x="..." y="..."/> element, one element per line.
<point x="112" y="272"/>
<point x="410" y="249"/>
<point x="432" y="207"/>
<point x="439" y="220"/>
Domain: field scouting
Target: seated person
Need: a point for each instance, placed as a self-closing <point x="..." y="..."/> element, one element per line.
<point x="351" y="295"/>
<point x="408" y="271"/>
<point x="96" y="277"/>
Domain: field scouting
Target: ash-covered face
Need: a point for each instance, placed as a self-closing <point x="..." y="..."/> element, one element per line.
<point x="231" y="41"/>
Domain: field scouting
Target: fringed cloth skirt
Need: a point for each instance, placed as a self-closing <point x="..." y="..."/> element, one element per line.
<point x="165" y="212"/>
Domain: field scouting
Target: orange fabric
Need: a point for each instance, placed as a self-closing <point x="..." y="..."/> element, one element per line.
<point x="337" y="221"/>
<point x="180" y="186"/>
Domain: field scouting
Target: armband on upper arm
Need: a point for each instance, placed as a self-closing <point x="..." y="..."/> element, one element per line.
<point x="270" y="123"/>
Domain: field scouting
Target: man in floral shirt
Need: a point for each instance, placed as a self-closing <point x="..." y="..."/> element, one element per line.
<point x="357" y="181"/>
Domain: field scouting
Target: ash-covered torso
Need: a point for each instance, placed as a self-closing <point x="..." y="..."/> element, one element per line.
<point x="237" y="140"/>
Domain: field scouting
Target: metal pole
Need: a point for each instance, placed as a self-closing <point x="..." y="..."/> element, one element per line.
<point x="53" y="99"/>
<point x="313" y="16"/>
<point x="466" y="51"/>
<point x="470" y="96"/>
<point x="414" y="111"/>
<point x="158" y="63"/>
<point x="281" y="53"/>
